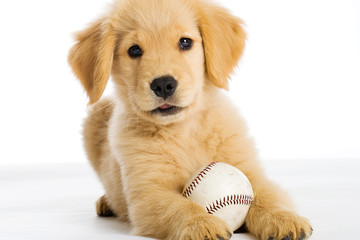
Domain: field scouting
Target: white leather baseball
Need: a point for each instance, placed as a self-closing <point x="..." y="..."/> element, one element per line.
<point x="223" y="190"/>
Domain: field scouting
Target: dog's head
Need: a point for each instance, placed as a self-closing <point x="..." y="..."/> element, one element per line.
<point x="161" y="55"/>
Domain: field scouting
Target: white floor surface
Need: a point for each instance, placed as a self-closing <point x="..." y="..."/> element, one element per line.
<point x="57" y="201"/>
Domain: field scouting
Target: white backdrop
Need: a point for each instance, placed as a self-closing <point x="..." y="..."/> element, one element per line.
<point x="298" y="84"/>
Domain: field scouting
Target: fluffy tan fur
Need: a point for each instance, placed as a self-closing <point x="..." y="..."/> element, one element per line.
<point x="143" y="158"/>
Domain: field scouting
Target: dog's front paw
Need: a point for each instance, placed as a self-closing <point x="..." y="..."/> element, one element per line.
<point x="204" y="227"/>
<point x="280" y="225"/>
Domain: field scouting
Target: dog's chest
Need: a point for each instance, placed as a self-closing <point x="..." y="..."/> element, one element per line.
<point x="175" y="154"/>
<point x="196" y="149"/>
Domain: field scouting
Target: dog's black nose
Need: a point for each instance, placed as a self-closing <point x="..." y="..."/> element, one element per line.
<point x="164" y="87"/>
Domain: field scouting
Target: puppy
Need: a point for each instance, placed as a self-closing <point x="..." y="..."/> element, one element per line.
<point x="169" y="60"/>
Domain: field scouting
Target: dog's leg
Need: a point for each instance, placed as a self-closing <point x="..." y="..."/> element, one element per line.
<point x="103" y="209"/>
<point x="96" y="125"/>
<point x="157" y="208"/>
<point x="167" y="215"/>
<point x="271" y="215"/>
<point x="272" y="218"/>
<point x="95" y="132"/>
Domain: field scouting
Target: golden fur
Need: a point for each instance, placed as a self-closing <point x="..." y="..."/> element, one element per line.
<point x="143" y="158"/>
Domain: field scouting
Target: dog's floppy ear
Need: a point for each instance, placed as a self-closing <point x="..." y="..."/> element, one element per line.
<point x="223" y="41"/>
<point x="91" y="57"/>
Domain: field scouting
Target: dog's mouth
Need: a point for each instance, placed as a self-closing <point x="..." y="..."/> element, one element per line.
<point x="166" y="110"/>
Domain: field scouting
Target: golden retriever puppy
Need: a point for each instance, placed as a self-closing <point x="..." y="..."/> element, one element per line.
<point x="169" y="60"/>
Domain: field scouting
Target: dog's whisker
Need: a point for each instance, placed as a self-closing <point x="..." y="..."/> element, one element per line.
<point x="92" y="113"/>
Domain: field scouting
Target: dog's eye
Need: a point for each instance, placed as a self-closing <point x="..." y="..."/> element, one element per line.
<point x="185" y="43"/>
<point x="135" y="51"/>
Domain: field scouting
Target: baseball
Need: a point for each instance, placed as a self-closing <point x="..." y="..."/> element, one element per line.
<point x="223" y="190"/>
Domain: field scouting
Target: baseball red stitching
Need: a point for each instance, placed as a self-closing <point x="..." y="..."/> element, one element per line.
<point x="198" y="178"/>
<point x="238" y="199"/>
